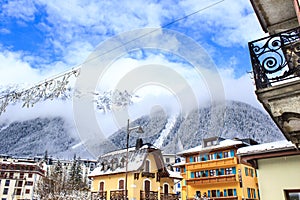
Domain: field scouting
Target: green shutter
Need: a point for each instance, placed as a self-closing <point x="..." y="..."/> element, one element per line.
<point x="246" y="171"/>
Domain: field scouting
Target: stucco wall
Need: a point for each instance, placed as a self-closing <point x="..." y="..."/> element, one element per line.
<point x="277" y="174"/>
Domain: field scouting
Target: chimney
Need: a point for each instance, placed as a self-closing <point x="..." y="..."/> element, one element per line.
<point x="139" y="143"/>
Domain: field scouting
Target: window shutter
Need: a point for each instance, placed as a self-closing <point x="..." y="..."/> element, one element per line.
<point x="234" y="192"/>
<point x="191" y="159"/>
<point x="225" y="193"/>
<point x="232" y="153"/>
<point x="208" y="193"/>
<point x="249" y="194"/>
<point x="233" y="170"/>
<point x="218" y="193"/>
<point x="192" y="175"/>
<point x="246" y="171"/>
<point x="222" y="171"/>
<point x="220" y="154"/>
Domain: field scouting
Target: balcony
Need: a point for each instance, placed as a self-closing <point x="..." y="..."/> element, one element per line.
<point x="117" y="195"/>
<point x="150" y="195"/>
<point x="276" y="67"/>
<point x="148" y="174"/>
<point x="101" y="195"/>
<point x="212" y="180"/>
<point x="220" y="163"/>
<point x="169" y="196"/>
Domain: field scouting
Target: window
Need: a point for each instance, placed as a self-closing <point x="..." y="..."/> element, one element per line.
<point x="11" y="175"/>
<point x="167" y="160"/>
<point x="213" y="193"/>
<point x="18" y="192"/>
<point x="7" y="182"/>
<point x="226" y="154"/>
<point x="30" y="175"/>
<point x="212" y="172"/>
<point x="166" y="188"/>
<point x="30" y="183"/>
<point x="292" y="194"/>
<point x="230" y="192"/>
<point x="147" y="186"/>
<point x="147" y="166"/>
<point x="101" y="186"/>
<point x="20" y="183"/>
<point x="5" y="191"/>
<point x="27" y="191"/>
<point x="121" y="184"/>
<point x="228" y="171"/>
<point x="22" y="175"/>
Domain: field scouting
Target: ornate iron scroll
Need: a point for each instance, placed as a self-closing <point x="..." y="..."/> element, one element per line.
<point x="275" y="58"/>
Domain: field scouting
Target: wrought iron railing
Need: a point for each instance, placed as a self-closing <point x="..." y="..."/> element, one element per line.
<point x="118" y="195"/>
<point x="150" y="195"/>
<point x="164" y="196"/>
<point x="101" y="195"/>
<point x="276" y="58"/>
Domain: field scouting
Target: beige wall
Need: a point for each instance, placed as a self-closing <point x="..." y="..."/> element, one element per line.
<point x="277" y="174"/>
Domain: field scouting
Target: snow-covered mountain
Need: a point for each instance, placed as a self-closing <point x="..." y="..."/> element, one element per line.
<point x="175" y="133"/>
<point x="171" y="133"/>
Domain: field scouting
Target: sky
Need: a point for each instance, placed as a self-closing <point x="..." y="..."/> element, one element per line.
<point x="41" y="38"/>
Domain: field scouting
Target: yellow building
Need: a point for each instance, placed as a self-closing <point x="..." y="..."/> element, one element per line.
<point x="213" y="171"/>
<point x="147" y="177"/>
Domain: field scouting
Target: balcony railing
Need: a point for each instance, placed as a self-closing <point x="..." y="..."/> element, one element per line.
<point x="276" y="58"/>
<point x="212" y="180"/>
<point x="101" y="195"/>
<point x="118" y="195"/>
<point x="164" y="196"/>
<point x="212" y="163"/>
<point x="150" y="195"/>
<point x="148" y="174"/>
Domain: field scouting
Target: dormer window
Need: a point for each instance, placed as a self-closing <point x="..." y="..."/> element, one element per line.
<point x="122" y="162"/>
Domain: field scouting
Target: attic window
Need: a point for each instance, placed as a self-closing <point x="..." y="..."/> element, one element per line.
<point x="114" y="164"/>
<point x="122" y="162"/>
<point x="147" y="166"/>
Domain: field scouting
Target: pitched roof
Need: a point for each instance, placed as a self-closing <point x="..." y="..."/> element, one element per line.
<point x="223" y="144"/>
<point x="115" y="162"/>
<point x="266" y="147"/>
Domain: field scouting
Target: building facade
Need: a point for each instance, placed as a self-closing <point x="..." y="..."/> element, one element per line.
<point x="18" y="178"/>
<point x="275" y="63"/>
<point x="277" y="165"/>
<point x="213" y="171"/>
<point x="145" y="176"/>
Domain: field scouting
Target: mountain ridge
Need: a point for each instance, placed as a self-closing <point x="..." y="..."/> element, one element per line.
<point x="171" y="133"/>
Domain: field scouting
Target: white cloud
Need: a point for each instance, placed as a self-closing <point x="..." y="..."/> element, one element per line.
<point x="24" y="10"/>
<point x="14" y="70"/>
<point x="231" y="22"/>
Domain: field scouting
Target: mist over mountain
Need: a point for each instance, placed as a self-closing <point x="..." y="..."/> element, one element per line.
<point x="175" y="133"/>
<point x="171" y="133"/>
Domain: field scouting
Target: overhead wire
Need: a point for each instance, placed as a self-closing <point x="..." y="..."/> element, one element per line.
<point x="76" y="67"/>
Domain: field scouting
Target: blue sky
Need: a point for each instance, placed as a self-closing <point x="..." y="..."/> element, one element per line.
<point x="41" y="38"/>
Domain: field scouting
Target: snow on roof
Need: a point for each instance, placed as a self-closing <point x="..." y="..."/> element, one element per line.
<point x="223" y="143"/>
<point x="182" y="162"/>
<point x="175" y="175"/>
<point x="115" y="162"/>
<point x="266" y="147"/>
